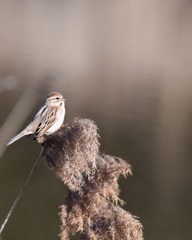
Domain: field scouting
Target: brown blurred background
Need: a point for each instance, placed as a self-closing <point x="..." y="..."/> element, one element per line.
<point x="127" y="65"/>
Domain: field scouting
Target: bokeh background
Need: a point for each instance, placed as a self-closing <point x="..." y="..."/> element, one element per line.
<point x="127" y="65"/>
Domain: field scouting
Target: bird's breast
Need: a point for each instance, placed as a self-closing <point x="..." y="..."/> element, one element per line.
<point x="58" y="123"/>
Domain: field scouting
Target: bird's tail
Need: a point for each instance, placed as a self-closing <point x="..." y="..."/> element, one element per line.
<point x="18" y="136"/>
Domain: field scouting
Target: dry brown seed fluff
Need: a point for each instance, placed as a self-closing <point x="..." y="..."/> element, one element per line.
<point x="91" y="205"/>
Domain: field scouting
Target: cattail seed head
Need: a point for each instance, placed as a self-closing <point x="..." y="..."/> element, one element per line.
<point x="92" y="179"/>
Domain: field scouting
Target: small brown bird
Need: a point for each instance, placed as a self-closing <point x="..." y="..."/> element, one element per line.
<point x="48" y="120"/>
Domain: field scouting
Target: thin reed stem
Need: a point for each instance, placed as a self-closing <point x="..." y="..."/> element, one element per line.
<point x="21" y="191"/>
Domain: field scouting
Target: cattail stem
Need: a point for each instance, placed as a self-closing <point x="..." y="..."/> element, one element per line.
<point x="21" y="191"/>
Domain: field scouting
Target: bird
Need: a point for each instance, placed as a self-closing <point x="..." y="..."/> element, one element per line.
<point x="48" y="119"/>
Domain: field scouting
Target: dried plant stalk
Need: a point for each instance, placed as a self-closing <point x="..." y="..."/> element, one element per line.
<point x="91" y="205"/>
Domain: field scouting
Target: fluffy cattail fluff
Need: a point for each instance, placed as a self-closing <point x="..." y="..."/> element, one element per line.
<point x="91" y="205"/>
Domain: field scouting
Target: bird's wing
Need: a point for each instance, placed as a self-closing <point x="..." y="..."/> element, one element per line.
<point x="48" y="118"/>
<point x="41" y="111"/>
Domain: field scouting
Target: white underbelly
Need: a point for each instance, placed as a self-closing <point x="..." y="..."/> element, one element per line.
<point x="57" y="124"/>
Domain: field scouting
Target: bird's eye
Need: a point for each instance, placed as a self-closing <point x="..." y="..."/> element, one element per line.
<point x="57" y="98"/>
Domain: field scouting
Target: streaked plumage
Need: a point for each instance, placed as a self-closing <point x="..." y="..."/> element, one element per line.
<point x="48" y="120"/>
